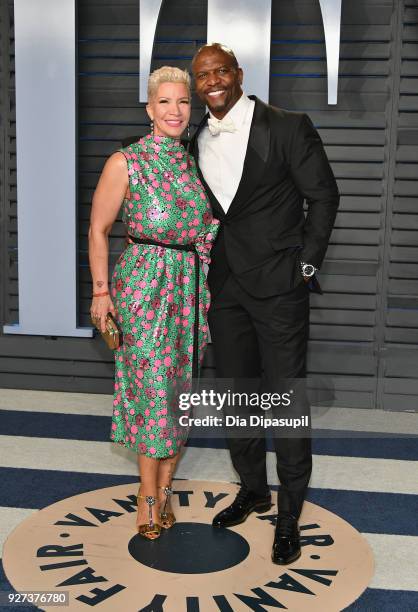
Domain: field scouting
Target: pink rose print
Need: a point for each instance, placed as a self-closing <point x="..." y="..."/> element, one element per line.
<point x="171" y="234"/>
<point x="181" y="203"/>
<point x="169" y="175"/>
<point x="173" y="310"/>
<point x="139" y="420"/>
<point x="171" y="372"/>
<point x="154" y="289"/>
<point x="129" y="339"/>
<point x="135" y="307"/>
<point x="150" y="392"/>
<point x="144" y="363"/>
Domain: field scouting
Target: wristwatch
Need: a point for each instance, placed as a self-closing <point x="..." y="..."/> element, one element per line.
<point x="307" y="269"/>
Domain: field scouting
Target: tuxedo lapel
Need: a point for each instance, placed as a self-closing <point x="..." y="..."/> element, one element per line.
<point x="219" y="212"/>
<point x="256" y="157"/>
<point x="254" y="163"/>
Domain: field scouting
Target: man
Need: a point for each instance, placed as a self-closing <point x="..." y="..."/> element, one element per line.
<point x="258" y="164"/>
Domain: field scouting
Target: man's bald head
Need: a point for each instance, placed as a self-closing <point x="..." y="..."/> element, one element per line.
<point x="218" y="47"/>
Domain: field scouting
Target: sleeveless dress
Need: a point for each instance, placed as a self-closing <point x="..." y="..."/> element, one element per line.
<point x="154" y="293"/>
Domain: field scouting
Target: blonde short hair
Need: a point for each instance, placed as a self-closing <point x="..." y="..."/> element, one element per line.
<point x="167" y="74"/>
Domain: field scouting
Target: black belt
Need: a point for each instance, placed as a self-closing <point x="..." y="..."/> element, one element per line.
<point x="191" y="248"/>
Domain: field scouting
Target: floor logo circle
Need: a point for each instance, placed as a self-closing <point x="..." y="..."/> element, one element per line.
<point x="86" y="545"/>
<point x="218" y="549"/>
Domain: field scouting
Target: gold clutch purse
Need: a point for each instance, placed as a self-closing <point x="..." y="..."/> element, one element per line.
<point x="112" y="336"/>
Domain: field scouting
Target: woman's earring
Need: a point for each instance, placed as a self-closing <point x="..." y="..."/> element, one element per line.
<point x="152" y="127"/>
<point x="188" y="131"/>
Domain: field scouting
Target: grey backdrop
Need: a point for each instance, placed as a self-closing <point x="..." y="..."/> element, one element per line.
<point x="364" y="330"/>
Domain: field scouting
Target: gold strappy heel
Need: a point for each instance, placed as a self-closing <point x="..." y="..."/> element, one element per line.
<point x="167" y="518"/>
<point x="151" y="530"/>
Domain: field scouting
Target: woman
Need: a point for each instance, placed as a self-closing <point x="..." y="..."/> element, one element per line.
<point x="158" y="293"/>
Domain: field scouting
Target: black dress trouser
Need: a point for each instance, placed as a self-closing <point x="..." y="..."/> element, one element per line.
<point x="266" y="339"/>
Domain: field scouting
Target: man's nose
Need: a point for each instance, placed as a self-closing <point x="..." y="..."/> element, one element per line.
<point x="212" y="79"/>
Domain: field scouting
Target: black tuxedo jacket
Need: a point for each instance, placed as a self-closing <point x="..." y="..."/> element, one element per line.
<point x="264" y="235"/>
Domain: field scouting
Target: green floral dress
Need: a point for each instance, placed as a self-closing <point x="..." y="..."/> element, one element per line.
<point x="153" y="290"/>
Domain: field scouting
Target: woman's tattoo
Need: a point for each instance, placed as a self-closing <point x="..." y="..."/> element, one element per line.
<point x="100" y="283"/>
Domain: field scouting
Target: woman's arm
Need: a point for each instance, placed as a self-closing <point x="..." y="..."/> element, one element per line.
<point x="107" y="200"/>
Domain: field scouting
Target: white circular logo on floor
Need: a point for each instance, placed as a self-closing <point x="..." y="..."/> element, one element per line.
<point x="87" y="545"/>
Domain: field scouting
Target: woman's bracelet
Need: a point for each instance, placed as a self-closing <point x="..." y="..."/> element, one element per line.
<point x="101" y="294"/>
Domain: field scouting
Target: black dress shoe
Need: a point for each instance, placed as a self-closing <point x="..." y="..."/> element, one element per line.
<point x="244" y="503"/>
<point x="286" y="547"/>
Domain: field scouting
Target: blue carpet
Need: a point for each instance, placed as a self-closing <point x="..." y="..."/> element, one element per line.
<point x="333" y="443"/>
<point x="28" y="488"/>
<point x="97" y="428"/>
<point x="381" y="600"/>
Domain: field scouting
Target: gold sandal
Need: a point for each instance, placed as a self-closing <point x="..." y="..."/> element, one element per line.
<point x="151" y="530"/>
<point x="167" y="518"/>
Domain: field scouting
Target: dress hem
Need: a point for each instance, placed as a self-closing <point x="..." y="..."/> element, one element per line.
<point x="146" y="454"/>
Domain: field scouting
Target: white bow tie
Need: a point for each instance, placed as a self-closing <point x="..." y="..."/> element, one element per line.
<point x="217" y="126"/>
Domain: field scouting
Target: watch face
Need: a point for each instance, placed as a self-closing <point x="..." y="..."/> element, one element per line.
<point x="308" y="270"/>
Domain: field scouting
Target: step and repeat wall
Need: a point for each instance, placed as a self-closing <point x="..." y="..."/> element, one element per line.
<point x="364" y="329"/>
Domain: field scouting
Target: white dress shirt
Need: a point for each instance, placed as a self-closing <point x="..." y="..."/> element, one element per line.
<point x="221" y="157"/>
